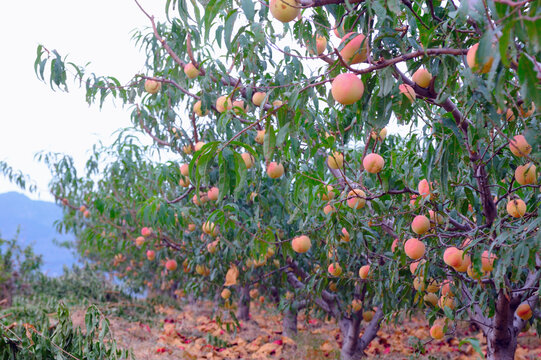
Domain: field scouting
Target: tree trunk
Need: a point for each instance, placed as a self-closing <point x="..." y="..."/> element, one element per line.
<point x="243" y="311"/>
<point x="289" y="323"/>
<point x="353" y="346"/>
<point x="502" y="336"/>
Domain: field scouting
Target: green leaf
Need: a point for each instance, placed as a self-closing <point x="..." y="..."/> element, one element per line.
<point x="529" y="82"/>
<point x="248" y="9"/>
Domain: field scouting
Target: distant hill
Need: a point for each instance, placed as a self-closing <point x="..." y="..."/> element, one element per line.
<point x="35" y="219"/>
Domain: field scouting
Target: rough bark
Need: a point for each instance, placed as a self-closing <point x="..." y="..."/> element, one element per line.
<point x="243" y="311"/>
<point x="353" y="346"/>
<point x="289" y="323"/>
<point x="502" y="336"/>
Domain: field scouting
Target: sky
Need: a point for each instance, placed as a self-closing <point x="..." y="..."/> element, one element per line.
<point x="33" y="117"/>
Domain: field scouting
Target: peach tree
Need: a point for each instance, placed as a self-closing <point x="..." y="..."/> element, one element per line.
<point x="357" y="156"/>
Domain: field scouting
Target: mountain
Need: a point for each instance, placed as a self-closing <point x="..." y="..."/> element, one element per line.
<point x="35" y="219"/>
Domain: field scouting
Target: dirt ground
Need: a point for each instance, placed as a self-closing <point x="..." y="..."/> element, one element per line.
<point x="192" y="334"/>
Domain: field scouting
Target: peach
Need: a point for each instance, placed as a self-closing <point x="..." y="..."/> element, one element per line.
<point x="321" y="44"/>
<point x="275" y="170"/>
<point x="381" y="136"/>
<point x="436" y="332"/>
<point x="226" y="294"/>
<point x="152" y="86"/>
<point x="239" y="107"/>
<point x="487" y="261"/>
<point x="258" y="97"/>
<point x="472" y="62"/>
<point x="445" y="288"/>
<point x="187" y="149"/>
<point x="526" y="174"/>
<point x="420" y="224"/>
<point x="260" y="137"/>
<point x="408" y="92"/>
<point x="335" y="269"/>
<point x="146" y="232"/>
<point x="465" y="262"/>
<point x="516" y="208"/>
<point x="283" y="11"/>
<point x="330" y="193"/>
<point x="422" y="77"/>
<point x="191" y="71"/>
<point x="524" y="311"/>
<point x="519" y="146"/>
<point x="414" y="265"/>
<point x="223" y="103"/>
<point x="335" y="160"/>
<point x="277" y="103"/>
<point x="356" y="199"/>
<point x="528" y="113"/>
<point x="452" y="256"/>
<point x="364" y="271"/>
<point x="197" y="109"/>
<point x="184" y="181"/>
<point x="212" y="247"/>
<point x="213" y="193"/>
<point x="301" y="244"/>
<point x="185" y="170"/>
<point x="510" y="115"/>
<point x="446" y="301"/>
<point x="368" y="315"/>
<point x="435" y="218"/>
<point x="327" y="209"/>
<point x="356" y="48"/>
<point x="373" y="163"/>
<point x="171" y="265"/>
<point x="356" y="305"/>
<point x="347" y="88"/>
<point x="191" y="227"/>
<point x="86" y="214"/>
<point x="432" y="286"/>
<point x="345" y="235"/>
<point x="424" y="188"/>
<point x="210" y="228"/>
<point x="151" y="255"/>
<point x="199" y="145"/>
<point x="394" y="245"/>
<point x="474" y="274"/>
<point x="414" y="248"/>
<point x="248" y="159"/>
<point x="139" y="241"/>
<point x="419" y="284"/>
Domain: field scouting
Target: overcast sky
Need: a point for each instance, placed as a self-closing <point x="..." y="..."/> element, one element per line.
<point x="33" y="117"/>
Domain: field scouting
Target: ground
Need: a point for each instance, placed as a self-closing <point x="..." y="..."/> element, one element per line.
<point x="191" y="333"/>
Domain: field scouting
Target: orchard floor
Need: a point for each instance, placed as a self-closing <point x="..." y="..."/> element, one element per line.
<point x="192" y="334"/>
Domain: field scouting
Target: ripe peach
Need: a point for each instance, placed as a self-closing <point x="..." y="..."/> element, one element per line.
<point x="414" y="248"/>
<point x="356" y="48"/>
<point x="519" y="146"/>
<point x="407" y="91"/>
<point x="425" y="189"/>
<point x="151" y="255"/>
<point x="146" y="232"/>
<point x="414" y="265"/>
<point x="431" y="298"/>
<point x="152" y="86"/>
<point x="347" y="88"/>
<point x="329" y="209"/>
<point x="368" y="315"/>
<point x="446" y="288"/>
<point x="191" y="227"/>
<point x="524" y="311"/>
<point x="283" y="11"/>
<point x="321" y="44"/>
<point x="187" y="149"/>
<point x="185" y="170"/>
<point x="213" y="193"/>
<point x="210" y="228"/>
<point x="238" y="107"/>
<point x="419" y="284"/>
<point x="526" y="174"/>
<point x="510" y="115"/>
<point x="248" y="159"/>
<point x="191" y="71"/>
<point x="171" y="265"/>
<point x="199" y="145"/>
<point x="452" y="256"/>
<point x="381" y="136"/>
<point x="528" y="113"/>
<point x="184" y="181"/>
<point x="335" y="160"/>
<point x="213" y="246"/>
<point x="422" y="77"/>
<point x="465" y="262"/>
<point x="275" y="170"/>
<point x="474" y="274"/>
<point x="356" y="305"/>
<point x="472" y="63"/>
<point x="487" y="261"/>
<point x="356" y="199"/>
<point x="223" y="103"/>
<point x="364" y="271"/>
<point x="139" y="241"/>
<point x="436" y="331"/>
<point x="373" y="163"/>
<point x="301" y="244"/>
<point x="226" y="294"/>
<point x="420" y="224"/>
<point x="394" y="245"/>
<point x="197" y="109"/>
<point x="446" y="301"/>
<point x="329" y="195"/>
<point x="516" y="208"/>
<point x="86" y="214"/>
<point x="345" y="235"/>
<point x="260" y="137"/>
<point x="335" y="269"/>
<point x="258" y="98"/>
<point x="277" y="103"/>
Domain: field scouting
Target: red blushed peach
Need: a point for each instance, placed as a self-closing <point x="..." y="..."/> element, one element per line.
<point x="414" y="265"/>
<point x="373" y="163"/>
<point x="335" y="269"/>
<point x="436" y="332"/>
<point x="146" y="231"/>
<point x="356" y="48"/>
<point x="407" y="91"/>
<point x="524" y="311"/>
<point x="258" y="98"/>
<point x="191" y="71"/>
<point x="347" y="88"/>
<point x="394" y="245"/>
<point x="171" y="265"/>
<point x="275" y="170"/>
<point x="487" y="261"/>
<point x="526" y="174"/>
<point x="152" y="86"/>
<point x="248" y="159"/>
<point x="213" y="193"/>
<point x="328" y="209"/>
<point x="472" y="63"/>
<point x="301" y="244"/>
<point x="364" y="271"/>
<point x="223" y="103"/>
<point x="420" y="224"/>
<point x="452" y="256"/>
<point x="197" y="109"/>
<point x="356" y="199"/>
<point x="516" y="208"/>
<point x="465" y="262"/>
<point x="414" y="248"/>
<point x="239" y="107"/>
<point x="185" y="170"/>
<point x="424" y="188"/>
<point x="151" y="255"/>
<point x="260" y="137"/>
